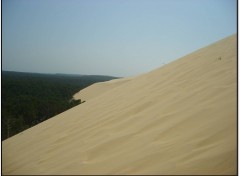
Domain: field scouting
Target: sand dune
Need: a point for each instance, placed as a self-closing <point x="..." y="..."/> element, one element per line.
<point x="178" y="119"/>
<point x="99" y="88"/>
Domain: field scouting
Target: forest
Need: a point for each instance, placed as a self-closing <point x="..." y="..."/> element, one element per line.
<point x="31" y="98"/>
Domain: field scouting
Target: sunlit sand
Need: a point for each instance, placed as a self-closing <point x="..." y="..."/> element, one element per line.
<point x="178" y="119"/>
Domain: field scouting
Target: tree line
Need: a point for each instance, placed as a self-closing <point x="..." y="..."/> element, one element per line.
<point x="31" y="98"/>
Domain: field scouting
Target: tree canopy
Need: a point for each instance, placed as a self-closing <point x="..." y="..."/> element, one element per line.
<point x="30" y="98"/>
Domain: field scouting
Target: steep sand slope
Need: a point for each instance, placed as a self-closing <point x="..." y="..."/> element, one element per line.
<point x="179" y="119"/>
<point x="99" y="88"/>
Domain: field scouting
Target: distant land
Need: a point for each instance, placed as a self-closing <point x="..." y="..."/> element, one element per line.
<point x="60" y="74"/>
<point x="30" y="98"/>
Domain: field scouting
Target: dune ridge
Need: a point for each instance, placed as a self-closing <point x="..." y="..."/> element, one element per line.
<point x="99" y="88"/>
<point x="178" y="119"/>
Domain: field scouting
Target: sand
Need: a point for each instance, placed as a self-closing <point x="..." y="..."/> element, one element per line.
<point x="178" y="119"/>
<point x="99" y="88"/>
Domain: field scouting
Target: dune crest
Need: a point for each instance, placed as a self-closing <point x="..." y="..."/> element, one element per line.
<point x="99" y="88"/>
<point x="178" y="119"/>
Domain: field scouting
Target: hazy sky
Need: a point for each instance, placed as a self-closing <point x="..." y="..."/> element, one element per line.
<point x="109" y="37"/>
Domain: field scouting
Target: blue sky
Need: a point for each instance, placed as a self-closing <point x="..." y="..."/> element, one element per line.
<point x="109" y="37"/>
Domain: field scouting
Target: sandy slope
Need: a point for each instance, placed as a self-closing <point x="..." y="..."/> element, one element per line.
<point x="99" y="88"/>
<point x="179" y="119"/>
